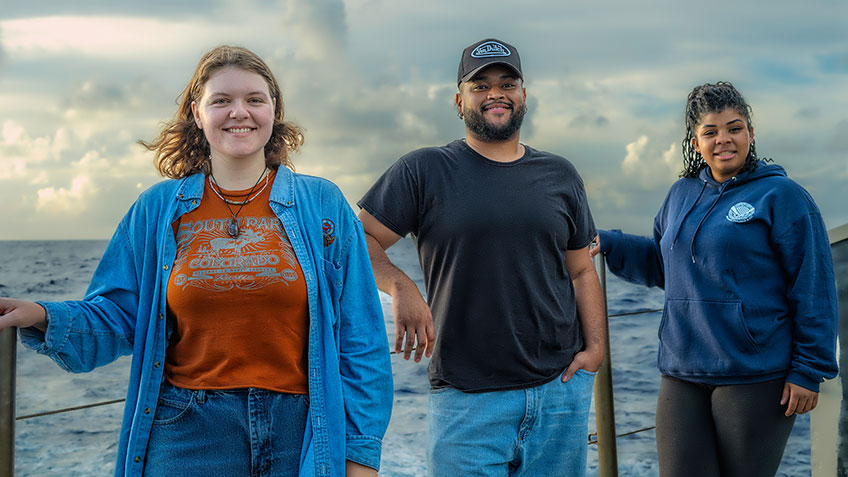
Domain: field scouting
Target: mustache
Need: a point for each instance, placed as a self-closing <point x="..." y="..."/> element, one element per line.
<point x="506" y="104"/>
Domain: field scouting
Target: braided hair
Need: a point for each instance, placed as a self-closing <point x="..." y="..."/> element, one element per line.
<point x="713" y="98"/>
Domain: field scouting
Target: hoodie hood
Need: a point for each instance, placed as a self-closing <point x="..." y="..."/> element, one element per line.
<point x="763" y="169"/>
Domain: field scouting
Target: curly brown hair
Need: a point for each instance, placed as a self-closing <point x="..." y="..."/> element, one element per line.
<point x="181" y="147"/>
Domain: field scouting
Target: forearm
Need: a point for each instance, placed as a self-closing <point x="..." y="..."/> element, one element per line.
<point x="590" y="309"/>
<point x="633" y="258"/>
<point x="413" y="320"/>
<point x="812" y="299"/>
<point x="352" y="469"/>
<point x="390" y="279"/>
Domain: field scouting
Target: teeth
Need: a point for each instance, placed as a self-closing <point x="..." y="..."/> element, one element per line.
<point x="239" y="130"/>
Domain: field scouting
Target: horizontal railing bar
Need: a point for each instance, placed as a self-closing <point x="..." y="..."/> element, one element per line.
<point x="635" y="312"/>
<point x="593" y="436"/>
<point x="68" y="409"/>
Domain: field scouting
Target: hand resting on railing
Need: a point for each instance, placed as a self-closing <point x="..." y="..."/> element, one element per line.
<point x="22" y="314"/>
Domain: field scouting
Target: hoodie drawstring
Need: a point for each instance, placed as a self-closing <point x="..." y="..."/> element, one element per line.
<point x="686" y="215"/>
<point x="704" y="218"/>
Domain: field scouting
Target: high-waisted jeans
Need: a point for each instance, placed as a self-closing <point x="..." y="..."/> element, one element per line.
<point x="240" y="432"/>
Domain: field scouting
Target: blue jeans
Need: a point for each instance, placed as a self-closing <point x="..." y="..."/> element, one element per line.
<point x="539" y="431"/>
<point x="249" y="432"/>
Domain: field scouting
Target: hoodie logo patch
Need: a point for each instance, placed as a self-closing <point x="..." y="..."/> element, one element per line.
<point x="741" y="212"/>
<point x="329" y="229"/>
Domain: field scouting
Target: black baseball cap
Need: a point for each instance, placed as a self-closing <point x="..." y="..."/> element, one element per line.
<point x="484" y="53"/>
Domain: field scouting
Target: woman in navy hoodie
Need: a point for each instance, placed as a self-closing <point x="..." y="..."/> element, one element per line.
<point x="749" y="326"/>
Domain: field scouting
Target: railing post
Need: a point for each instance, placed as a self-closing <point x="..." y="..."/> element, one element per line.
<point x="604" y="407"/>
<point x="829" y="421"/>
<point x="8" y="341"/>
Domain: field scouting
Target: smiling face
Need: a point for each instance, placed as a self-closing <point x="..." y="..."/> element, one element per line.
<point x="236" y="114"/>
<point x="723" y="139"/>
<point x="492" y="103"/>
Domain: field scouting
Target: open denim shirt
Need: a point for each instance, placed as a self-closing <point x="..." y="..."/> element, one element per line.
<point x="123" y="312"/>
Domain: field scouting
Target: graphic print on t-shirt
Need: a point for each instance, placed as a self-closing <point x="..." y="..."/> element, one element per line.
<point x="208" y="258"/>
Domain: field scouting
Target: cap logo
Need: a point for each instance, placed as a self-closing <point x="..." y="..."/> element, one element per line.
<point x="489" y="49"/>
<point x="741" y="212"/>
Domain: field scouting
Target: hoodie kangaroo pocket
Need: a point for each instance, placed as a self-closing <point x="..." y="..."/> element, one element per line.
<point x="706" y="338"/>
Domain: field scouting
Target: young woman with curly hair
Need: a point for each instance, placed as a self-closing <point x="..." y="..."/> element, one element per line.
<point x="245" y="295"/>
<point x="749" y="325"/>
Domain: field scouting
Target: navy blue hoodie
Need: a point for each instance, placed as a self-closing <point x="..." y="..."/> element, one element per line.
<point x="750" y="293"/>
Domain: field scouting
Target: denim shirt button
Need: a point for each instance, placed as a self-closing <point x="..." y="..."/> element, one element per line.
<point x="165" y="267"/>
<point x="180" y="196"/>
<point x="156" y="364"/>
<point x="161" y="316"/>
<point x="137" y="459"/>
<point x="147" y="411"/>
<point x="194" y="202"/>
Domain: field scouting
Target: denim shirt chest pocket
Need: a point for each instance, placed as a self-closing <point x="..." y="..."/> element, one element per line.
<point x="333" y="274"/>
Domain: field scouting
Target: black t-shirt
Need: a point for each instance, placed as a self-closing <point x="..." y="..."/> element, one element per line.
<point x="491" y="240"/>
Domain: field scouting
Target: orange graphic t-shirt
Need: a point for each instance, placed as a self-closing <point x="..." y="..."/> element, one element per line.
<point x="240" y="304"/>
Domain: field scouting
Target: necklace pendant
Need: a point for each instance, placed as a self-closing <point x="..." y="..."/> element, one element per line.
<point x="233" y="228"/>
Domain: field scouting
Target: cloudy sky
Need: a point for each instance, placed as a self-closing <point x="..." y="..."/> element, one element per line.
<point x="372" y="79"/>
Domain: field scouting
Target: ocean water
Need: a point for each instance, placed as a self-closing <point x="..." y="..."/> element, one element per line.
<point x="83" y="443"/>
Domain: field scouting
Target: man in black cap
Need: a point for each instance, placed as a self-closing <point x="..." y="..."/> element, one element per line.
<point x="502" y="232"/>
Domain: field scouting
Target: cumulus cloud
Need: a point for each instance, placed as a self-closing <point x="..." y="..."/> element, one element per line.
<point x="12" y="133"/>
<point x="650" y="165"/>
<point x="19" y="152"/>
<point x="633" y="161"/>
<point x="40" y="179"/>
<point x="72" y="200"/>
<point x="670" y="157"/>
<point x="38" y="169"/>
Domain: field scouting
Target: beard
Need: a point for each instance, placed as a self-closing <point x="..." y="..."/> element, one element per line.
<point x="486" y="131"/>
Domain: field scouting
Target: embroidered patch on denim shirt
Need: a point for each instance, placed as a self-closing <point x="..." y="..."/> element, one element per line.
<point x="741" y="212"/>
<point x="329" y="229"/>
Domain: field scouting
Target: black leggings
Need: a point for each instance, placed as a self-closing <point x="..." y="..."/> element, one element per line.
<point x="706" y="430"/>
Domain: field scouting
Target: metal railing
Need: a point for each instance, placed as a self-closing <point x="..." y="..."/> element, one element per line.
<point x="604" y="407"/>
<point x="8" y="343"/>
